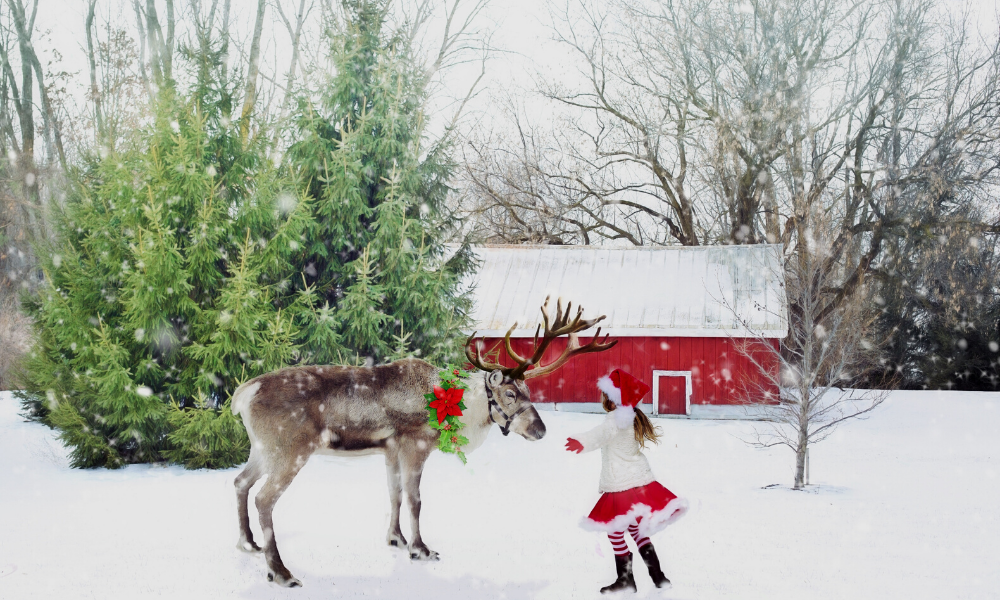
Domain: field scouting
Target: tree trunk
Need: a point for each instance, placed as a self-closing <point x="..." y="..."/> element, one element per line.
<point x="160" y="49"/>
<point x="28" y="170"/>
<point x="747" y="204"/>
<point x="225" y="43"/>
<point x="168" y="54"/>
<point x="251" y="92"/>
<point x="153" y="42"/>
<point x="296" y="36"/>
<point x="808" y="366"/>
<point x="686" y="218"/>
<point x="95" y="92"/>
<point x="800" y="456"/>
<point x="142" y="49"/>
<point x="772" y="228"/>
<point x="29" y="63"/>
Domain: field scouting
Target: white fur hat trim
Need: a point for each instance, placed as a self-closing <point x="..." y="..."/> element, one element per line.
<point x="608" y="387"/>
<point x="624" y="416"/>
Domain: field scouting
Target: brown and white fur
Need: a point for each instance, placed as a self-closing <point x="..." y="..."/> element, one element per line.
<point x="293" y="413"/>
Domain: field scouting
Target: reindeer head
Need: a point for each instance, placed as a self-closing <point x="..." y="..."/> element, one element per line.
<point x="510" y="406"/>
<point x="508" y="395"/>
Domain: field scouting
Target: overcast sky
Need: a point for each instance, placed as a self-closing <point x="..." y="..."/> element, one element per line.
<point x="520" y="33"/>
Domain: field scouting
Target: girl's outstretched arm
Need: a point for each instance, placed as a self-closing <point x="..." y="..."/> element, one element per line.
<point x="593" y="439"/>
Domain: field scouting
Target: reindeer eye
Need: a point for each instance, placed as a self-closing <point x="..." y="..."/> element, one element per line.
<point x="510" y="394"/>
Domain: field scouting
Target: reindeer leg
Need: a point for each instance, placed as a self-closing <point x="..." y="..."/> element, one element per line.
<point x="413" y="460"/>
<point x="277" y="482"/>
<point x="392" y="468"/>
<point x="244" y="481"/>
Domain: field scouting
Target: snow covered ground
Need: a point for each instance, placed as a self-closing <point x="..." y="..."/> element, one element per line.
<point x="905" y="506"/>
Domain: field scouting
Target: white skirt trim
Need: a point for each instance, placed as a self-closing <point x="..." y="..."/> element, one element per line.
<point x="652" y="522"/>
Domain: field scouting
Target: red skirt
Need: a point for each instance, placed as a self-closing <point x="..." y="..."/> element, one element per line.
<point x="652" y="506"/>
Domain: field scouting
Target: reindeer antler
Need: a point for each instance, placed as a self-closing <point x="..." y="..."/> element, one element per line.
<point x="572" y="349"/>
<point x="561" y="325"/>
<point x="477" y="361"/>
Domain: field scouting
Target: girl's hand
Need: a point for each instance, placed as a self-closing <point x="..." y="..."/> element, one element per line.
<point x="573" y="446"/>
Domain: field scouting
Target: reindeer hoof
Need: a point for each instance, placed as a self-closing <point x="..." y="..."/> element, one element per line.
<point x="396" y="540"/>
<point x="423" y="553"/>
<point x="284" y="580"/>
<point x="247" y="546"/>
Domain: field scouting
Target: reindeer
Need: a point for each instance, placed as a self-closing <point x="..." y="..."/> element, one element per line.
<point x="293" y="413"/>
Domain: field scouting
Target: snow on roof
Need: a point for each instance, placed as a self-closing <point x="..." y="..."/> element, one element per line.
<point x="675" y="291"/>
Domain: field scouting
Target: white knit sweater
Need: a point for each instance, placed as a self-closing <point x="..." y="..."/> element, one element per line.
<point x="623" y="465"/>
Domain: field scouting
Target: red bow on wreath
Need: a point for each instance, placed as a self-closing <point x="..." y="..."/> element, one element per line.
<point x="447" y="402"/>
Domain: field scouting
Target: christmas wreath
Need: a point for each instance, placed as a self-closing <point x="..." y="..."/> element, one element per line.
<point x="445" y="406"/>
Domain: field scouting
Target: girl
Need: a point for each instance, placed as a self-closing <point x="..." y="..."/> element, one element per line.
<point x="631" y="497"/>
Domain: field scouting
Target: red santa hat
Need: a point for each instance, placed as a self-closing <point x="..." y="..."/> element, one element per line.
<point x="626" y="392"/>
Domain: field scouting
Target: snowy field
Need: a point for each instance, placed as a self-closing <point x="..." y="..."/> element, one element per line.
<point x="905" y="506"/>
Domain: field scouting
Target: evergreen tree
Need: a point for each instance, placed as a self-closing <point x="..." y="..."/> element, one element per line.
<point x="187" y="264"/>
<point x="157" y="299"/>
<point x="938" y="309"/>
<point x="375" y="255"/>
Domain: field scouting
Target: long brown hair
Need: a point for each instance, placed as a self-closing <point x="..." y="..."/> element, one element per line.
<point x="644" y="429"/>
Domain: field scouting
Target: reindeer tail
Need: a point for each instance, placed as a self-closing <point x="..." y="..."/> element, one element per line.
<point x="242" y="397"/>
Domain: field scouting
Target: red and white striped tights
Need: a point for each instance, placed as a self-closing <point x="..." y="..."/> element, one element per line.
<point x="618" y="539"/>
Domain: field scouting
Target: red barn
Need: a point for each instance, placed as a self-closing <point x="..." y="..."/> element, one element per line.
<point x="690" y="322"/>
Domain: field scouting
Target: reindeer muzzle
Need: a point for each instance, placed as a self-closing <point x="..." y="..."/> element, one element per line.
<point x="536" y="430"/>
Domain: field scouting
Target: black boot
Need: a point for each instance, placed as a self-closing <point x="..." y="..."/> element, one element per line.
<point x="648" y="555"/>
<point x="625" y="581"/>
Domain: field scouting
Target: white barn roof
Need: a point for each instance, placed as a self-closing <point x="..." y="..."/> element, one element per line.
<point x="674" y="291"/>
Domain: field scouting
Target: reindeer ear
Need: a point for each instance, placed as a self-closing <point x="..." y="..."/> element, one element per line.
<point x="495" y="378"/>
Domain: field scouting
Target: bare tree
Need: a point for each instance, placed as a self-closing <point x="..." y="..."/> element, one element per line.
<point x="31" y="166"/>
<point x="447" y="34"/>
<point x="520" y="187"/>
<point x="818" y="359"/>
<point x="21" y="25"/>
<point x="116" y="102"/>
<point x="295" y="34"/>
<point x="718" y="122"/>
